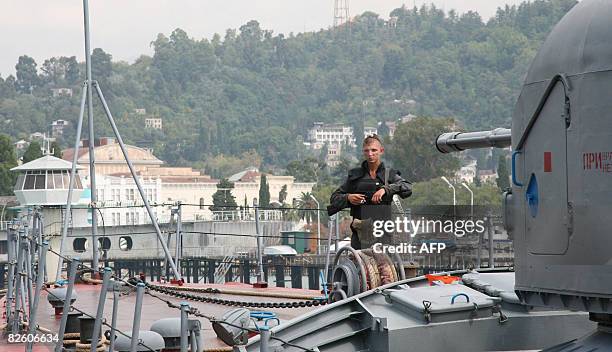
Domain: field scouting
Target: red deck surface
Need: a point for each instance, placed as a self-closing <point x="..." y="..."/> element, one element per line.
<point x="153" y="309"/>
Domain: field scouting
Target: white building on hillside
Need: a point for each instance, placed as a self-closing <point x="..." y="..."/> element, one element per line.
<point x="58" y="126"/>
<point x="154" y="123"/>
<point x="467" y="172"/>
<point x="121" y="202"/>
<point x="487" y="176"/>
<point x="247" y="183"/>
<point x="338" y="133"/>
<point x="369" y="131"/>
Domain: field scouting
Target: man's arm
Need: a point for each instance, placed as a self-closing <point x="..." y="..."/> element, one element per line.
<point x="397" y="185"/>
<point x="338" y="199"/>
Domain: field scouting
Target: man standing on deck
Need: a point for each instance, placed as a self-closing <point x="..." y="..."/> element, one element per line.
<point x="368" y="191"/>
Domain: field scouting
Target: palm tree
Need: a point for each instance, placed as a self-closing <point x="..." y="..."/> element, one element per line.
<point x="307" y="207"/>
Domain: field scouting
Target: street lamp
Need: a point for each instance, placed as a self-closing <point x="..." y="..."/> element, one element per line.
<point x="318" y="224"/>
<point x="471" y="199"/>
<point x="450" y="185"/>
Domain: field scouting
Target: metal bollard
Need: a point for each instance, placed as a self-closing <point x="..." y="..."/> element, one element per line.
<point x="74" y="263"/>
<point x="140" y="287"/>
<point x="184" y="326"/>
<point x="42" y="256"/>
<point x="98" y="323"/>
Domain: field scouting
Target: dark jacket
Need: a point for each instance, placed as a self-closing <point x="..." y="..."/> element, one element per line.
<point x="359" y="181"/>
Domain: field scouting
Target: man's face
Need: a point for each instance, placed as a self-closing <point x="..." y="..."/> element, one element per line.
<point x="372" y="152"/>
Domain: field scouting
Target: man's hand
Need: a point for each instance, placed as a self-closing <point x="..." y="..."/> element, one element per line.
<point x="377" y="197"/>
<point x="356" y="199"/>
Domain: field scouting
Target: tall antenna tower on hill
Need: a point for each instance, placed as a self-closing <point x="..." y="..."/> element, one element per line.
<point x="341" y="12"/>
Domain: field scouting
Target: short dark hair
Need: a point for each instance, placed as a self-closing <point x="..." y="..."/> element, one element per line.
<point x="371" y="138"/>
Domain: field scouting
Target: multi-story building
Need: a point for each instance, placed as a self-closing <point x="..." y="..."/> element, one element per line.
<point x="61" y="92"/>
<point x="166" y="185"/>
<point x="109" y="158"/>
<point x="487" y="176"/>
<point x="467" y="172"/>
<point x="247" y="183"/>
<point x="369" y="131"/>
<point x="154" y="123"/>
<point x="21" y="146"/>
<point x="57" y="127"/>
<point x="120" y="201"/>
<point x="321" y="134"/>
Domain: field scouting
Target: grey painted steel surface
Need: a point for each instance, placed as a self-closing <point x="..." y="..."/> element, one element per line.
<point x="170" y="330"/>
<point x="264" y="334"/>
<point x="559" y="209"/>
<point x="179" y="237"/>
<point x="458" y="141"/>
<point x="98" y="322"/>
<point x="28" y="272"/>
<point x="375" y="321"/>
<point x="562" y="253"/>
<point x="75" y="157"/>
<point x="184" y="327"/>
<point x="233" y="335"/>
<point x="111" y="338"/>
<point x="150" y="341"/>
<point x="42" y="256"/>
<point x="69" y="292"/>
<point x="19" y="303"/>
<point x="136" y="179"/>
<point x="90" y="121"/>
<point x="259" y="244"/>
<point x="140" y="288"/>
<point x="11" y="239"/>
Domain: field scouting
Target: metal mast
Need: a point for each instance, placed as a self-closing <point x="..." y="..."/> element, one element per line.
<point x="341" y="12"/>
<point x="92" y="159"/>
<point x="88" y="88"/>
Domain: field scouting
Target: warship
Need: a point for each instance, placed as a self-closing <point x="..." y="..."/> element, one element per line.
<point x="555" y="298"/>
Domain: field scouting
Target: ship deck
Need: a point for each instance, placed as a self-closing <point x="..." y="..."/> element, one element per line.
<point x="154" y="309"/>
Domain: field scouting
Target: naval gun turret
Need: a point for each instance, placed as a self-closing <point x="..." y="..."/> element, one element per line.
<point x="560" y="206"/>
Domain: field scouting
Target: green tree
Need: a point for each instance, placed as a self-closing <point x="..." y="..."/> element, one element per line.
<point x="436" y="192"/>
<point x="32" y="153"/>
<point x="413" y="150"/>
<point x="306" y="207"/>
<point x="27" y="76"/>
<point x="307" y="170"/>
<point x="72" y="72"/>
<point x="8" y="160"/>
<point x="57" y="151"/>
<point x="264" y="192"/>
<point x="503" y="178"/>
<point x="223" y="200"/>
<point x="101" y="67"/>
<point x="221" y="98"/>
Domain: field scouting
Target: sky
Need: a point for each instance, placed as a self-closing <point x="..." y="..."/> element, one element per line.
<point x="125" y="28"/>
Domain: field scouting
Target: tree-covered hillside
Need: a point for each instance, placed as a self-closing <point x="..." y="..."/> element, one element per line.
<point x="251" y="89"/>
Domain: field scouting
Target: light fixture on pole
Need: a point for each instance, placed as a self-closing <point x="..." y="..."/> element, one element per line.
<point x="318" y="224"/>
<point x="471" y="199"/>
<point x="450" y="185"/>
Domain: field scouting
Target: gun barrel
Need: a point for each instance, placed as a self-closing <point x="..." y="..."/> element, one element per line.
<point x="457" y="141"/>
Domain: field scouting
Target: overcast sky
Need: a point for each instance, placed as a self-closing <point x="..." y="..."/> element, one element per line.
<point x="125" y="28"/>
